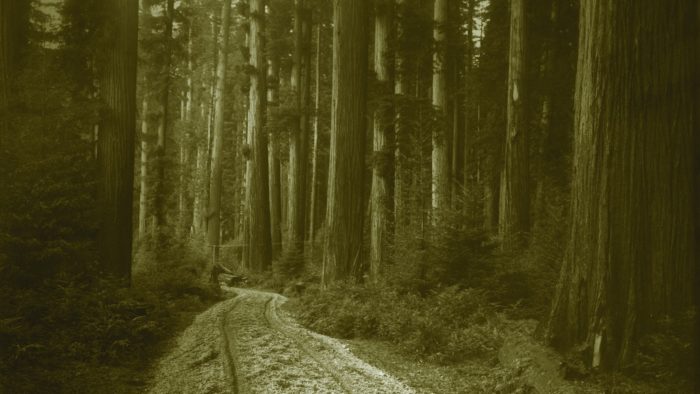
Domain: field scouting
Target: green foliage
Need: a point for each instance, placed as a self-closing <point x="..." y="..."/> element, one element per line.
<point x="449" y="325"/>
<point x="46" y="330"/>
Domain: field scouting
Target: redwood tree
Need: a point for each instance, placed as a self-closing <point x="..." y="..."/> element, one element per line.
<point x="345" y="208"/>
<point x="257" y="194"/>
<point x="215" y="182"/>
<point x="299" y="140"/>
<point x="116" y="138"/>
<point x="631" y="256"/>
<point x="514" y="219"/>
<point x="441" y="154"/>
<point x="381" y="199"/>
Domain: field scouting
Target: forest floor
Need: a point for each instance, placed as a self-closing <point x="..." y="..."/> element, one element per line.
<point x="249" y="343"/>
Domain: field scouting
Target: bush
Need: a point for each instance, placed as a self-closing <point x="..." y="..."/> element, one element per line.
<point x="668" y="350"/>
<point x="448" y="325"/>
<point x="91" y="320"/>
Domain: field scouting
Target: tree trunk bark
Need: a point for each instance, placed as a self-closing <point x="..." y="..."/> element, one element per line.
<point x="274" y="161"/>
<point x="214" y="209"/>
<point x="187" y="147"/>
<point x="631" y="256"/>
<point x="440" y="154"/>
<point x="514" y="222"/>
<point x="257" y="198"/>
<point x="298" y="143"/>
<point x="143" y="190"/>
<point x="381" y="200"/>
<point x="116" y="140"/>
<point x="314" y="149"/>
<point x="469" y="160"/>
<point x="161" y="192"/>
<point x="345" y="211"/>
<point x="401" y="139"/>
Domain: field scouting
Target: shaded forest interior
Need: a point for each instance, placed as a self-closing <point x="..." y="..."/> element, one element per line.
<point x="425" y="173"/>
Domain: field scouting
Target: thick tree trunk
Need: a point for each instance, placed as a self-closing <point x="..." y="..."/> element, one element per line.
<point x="274" y="161"/>
<point x="514" y="221"/>
<point x="143" y="189"/>
<point x="299" y="141"/>
<point x="440" y="154"/>
<point x="381" y="199"/>
<point x="631" y="256"/>
<point x="116" y="140"/>
<point x="345" y="208"/>
<point x="161" y="192"/>
<point x="257" y="195"/>
<point x="214" y="209"/>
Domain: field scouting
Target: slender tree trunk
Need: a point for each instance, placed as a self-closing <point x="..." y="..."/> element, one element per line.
<point x="116" y="140"/>
<point x="161" y="192"/>
<point x="143" y="190"/>
<point x="187" y="146"/>
<point x="470" y="135"/>
<point x="345" y="211"/>
<point x="401" y="170"/>
<point x="214" y="210"/>
<point x="257" y="198"/>
<point x="381" y="200"/>
<point x="456" y="110"/>
<point x="314" y="149"/>
<point x="298" y="142"/>
<point x="440" y="155"/>
<point x="514" y="221"/>
<point x="274" y="161"/>
<point x="632" y="255"/>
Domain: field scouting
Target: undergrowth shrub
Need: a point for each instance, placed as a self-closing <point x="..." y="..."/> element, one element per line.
<point x="91" y="320"/>
<point x="449" y="325"/>
<point x="669" y="349"/>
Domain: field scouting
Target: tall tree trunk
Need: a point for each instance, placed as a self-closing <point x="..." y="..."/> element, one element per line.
<point x="116" y="140"/>
<point x="299" y="141"/>
<point x="143" y="175"/>
<point x="257" y="198"/>
<point x="632" y="255"/>
<point x="514" y="221"/>
<point x="274" y="161"/>
<point x="381" y="200"/>
<point x="214" y="209"/>
<point x="314" y="149"/>
<point x="187" y="147"/>
<point x="205" y="141"/>
<point x="456" y="110"/>
<point x="401" y="139"/>
<point x="345" y="211"/>
<point x="440" y="154"/>
<point x="161" y="192"/>
<point x="468" y="144"/>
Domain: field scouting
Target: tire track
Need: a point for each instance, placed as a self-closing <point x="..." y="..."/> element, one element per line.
<point x="262" y="359"/>
<point x="228" y="349"/>
<point x="273" y="321"/>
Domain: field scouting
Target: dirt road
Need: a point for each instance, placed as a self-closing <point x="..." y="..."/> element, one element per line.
<point x="249" y="345"/>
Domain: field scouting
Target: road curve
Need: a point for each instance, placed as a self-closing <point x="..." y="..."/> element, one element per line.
<point x="248" y="344"/>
